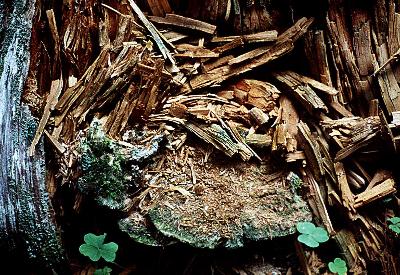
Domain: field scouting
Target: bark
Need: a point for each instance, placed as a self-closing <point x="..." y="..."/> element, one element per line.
<point x="27" y="228"/>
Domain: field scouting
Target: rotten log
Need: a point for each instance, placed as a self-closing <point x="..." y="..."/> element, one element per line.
<point x="27" y="229"/>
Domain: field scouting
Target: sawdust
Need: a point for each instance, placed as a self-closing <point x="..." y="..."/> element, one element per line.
<point x="208" y="200"/>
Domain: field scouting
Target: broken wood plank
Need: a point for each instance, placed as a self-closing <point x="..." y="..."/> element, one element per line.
<point x="187" y="50"/>
<point x="259" y="116"/>
<point x="302" y="92"/>
<point x="258" y="140"/>
<point x="229" y="46"/>
<point x="283" y="45"/>
<point x="380" y="176"/>
<point x="159" y="7"/>
<point x="52" y="99"/>
<point x="340" y="109"/>
<point x="184" y="22"/>
<point x="155" y="34"/>
<point x="311" y="150"/>
<point x="383" y="189"/>
<point x="347" y="196"/>
<point x="321" y="209"/>
<point x="313" y="83"/>
<point x="317" y="55"/>
<point x="249" y="55"/>
<point x="221" y="74"/>
<point x="285" y="135"/>
<point x="265" y="36"/>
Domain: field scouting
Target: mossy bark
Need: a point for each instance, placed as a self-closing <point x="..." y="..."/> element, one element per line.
<point x="27" y="228"/>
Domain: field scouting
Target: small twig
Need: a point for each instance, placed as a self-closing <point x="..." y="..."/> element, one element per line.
<point x="395" y="56"/>
<point x="123" y="15"/>
<point x="116" y="11"/>
<point x="154" y="33"/>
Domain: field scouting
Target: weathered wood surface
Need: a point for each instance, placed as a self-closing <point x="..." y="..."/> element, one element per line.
<point x="308" y="118"/>
<point x="26" y="226"/>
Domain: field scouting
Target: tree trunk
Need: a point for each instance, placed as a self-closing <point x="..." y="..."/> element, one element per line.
<point x="27" y="228"/>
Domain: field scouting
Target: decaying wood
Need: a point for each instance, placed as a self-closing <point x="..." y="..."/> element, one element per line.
<point x="55" y="91"/>
<point x="286" y="126"/>
<point x="154" y="33"/>
<point x="319" y="203"/>
<point x="302" y="91"/>
<point x="347" y="196"/>
<point x="316" y="50"/>
<point x="184" y="22"/>
<point x="259" y="116"/>
<point x="28" y="232"/>
<point x="312" y="150"/>
<point x="378" y="191"/>
<point x="351" y="251"/>
<point x="159" y="7"/>
<point x="328" y="121"/>
<point x="266" y="36"/>
<point x="283" y="45"/>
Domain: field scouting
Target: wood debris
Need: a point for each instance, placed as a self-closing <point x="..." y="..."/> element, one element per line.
<point x="210" y="92"/>
<point x="184" y="22"/>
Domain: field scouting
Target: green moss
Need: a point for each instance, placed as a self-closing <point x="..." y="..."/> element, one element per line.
<point x="104" y="173"/>
<point x="250" y="228"/>
<point x="109" y="169"/>
<point x="139" y="230"/>
<point x="295" y="181"/>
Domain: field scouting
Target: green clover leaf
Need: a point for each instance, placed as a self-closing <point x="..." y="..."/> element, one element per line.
<point x="394" y="220"/>
<point x="95" y="248"/>
<point x="108" y="251"/>
<point x="91" y="251"/>
<point x="103" y="271"/>
<point x="307" y="240"/>
<point x="311" y="235"/>
<point x="305" y="227"/>
<point x="338" y="266"/>
<point x="93" y="239"/>
<point x="395" y="226"/>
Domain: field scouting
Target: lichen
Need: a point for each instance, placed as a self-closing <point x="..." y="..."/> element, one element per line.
<point x="140" y="230"/>
<point x="168" y="224"/>
<point x="104" y="173"/>
<point x="231" y="209"/>
<point x="109" y="169"/>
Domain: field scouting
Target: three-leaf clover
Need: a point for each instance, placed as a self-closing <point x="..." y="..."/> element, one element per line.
<point x="338" y="266"/>
<point x="103" y="271"/>
<point x="395" y="226"/>
<point x="95" y="248"/>
<point x="311" y="235"/>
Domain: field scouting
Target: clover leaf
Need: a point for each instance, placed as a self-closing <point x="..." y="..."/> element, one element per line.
<point x="95" y="248"/>
<point x="338" y="266"/>
<point x="395" y="224"/>
<point x="311" y="235"/>
<point x="103" y="271"/>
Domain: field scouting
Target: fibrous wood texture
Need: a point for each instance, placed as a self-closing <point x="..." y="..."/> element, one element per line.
<point x="26" y="219"/>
